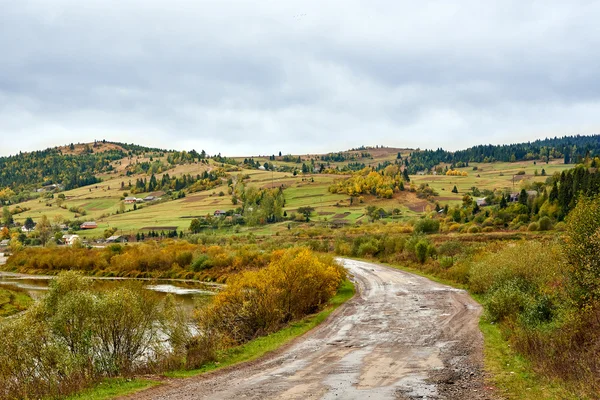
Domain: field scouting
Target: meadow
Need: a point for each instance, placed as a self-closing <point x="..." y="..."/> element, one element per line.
<point x="102" y="202"/>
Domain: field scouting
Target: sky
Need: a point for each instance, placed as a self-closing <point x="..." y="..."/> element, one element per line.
<point x="258" y="77"/>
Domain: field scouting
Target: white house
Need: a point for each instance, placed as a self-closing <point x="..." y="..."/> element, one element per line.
<point x="70" y="239"/>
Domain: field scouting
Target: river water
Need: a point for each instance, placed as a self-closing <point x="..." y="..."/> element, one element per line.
<point x="186" y="292"/>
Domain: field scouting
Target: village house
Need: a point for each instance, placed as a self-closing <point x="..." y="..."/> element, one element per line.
<point x="219" y="213"/>
<point x="89" y="225"/>
<point x="115" y="239"/>
<point x="69" y="240"/>
<point x="149" y="198"/>
<point x="481" y="202"/>
<point x="530" y="193"/>
<point x="130" y="200"/>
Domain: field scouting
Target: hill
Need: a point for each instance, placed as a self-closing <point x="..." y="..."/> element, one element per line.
<point x="91" y="181"/>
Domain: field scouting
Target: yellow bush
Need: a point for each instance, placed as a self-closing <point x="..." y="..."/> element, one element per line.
<point x="296" y="283"/>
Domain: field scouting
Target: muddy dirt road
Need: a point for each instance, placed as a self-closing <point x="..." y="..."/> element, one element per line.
<point x="401" y="337"/>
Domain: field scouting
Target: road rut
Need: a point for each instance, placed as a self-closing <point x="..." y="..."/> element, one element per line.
<point x="401" y="337"/>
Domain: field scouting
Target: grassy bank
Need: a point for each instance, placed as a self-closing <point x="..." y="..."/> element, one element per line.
<point x="263" y="345"/>
<point x="111" y="388"/>
<point x="13" y="301"/>
<point x="509" y="372"/>
<point x="252" y="350"/>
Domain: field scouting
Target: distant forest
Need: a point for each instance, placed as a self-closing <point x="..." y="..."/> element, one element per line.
<point x="51" y="166"/>
<point x="571" y="149"/>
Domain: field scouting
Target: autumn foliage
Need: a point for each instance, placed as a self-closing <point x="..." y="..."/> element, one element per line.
<point x="297" y="282"/>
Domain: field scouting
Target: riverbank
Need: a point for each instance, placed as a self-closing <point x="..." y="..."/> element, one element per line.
<point x="13" y="301"/>
<point x="235" y="356"/>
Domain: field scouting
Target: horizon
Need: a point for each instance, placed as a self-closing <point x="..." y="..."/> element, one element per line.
<point x="383" y="145"/>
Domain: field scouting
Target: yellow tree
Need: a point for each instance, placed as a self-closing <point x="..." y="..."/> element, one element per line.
<point x="44" y="229"/>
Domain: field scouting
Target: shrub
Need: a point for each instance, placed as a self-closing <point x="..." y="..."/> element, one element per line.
<point x="474" y="229"/>
<point x="296" y="283"/>
<point x="582" y="249"/>
<point x="488" y="229"/>
<point x="532" y="261"/>
<point x="367" y="249"/>
<point x="184" y="258"/>
<point x="426" y="225"/>
<point x="507" y="300"/>
<point x="534" y="226"/>
<point x="446" y="262"/>
<point x="545" y="224"/>
<point x="560" y="226"/>
<point x="454" y="227"/>
<point x="421" y="251"/>
<point x="78" y="333"/>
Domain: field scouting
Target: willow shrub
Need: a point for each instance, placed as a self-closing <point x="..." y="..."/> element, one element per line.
<point x="296" y="283"/>
<point x="77" y="334"/>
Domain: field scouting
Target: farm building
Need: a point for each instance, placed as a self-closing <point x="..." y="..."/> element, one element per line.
<point x="70" y="239"/>
<point x="89" y="225"/>
<point x="115" y="239"/>
<point x="219" y="213"/>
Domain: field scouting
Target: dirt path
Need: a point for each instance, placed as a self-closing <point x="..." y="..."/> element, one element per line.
<point x="401" y="337"/>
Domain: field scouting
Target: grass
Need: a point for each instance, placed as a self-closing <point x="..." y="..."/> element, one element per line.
<point x="114" y="387"/>
<point x="13" y="301"/>
<point x="263" y="345"/>
<point x="103" y="199"/>
<point x="513" y="374"/>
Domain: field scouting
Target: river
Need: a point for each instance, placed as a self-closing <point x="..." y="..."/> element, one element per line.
<point x="187" y="292"/>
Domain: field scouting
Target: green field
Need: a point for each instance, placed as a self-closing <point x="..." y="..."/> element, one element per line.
<point x="102" y="201"/>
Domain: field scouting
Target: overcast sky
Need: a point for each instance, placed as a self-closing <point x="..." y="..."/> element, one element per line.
<point x="258" y="77"/>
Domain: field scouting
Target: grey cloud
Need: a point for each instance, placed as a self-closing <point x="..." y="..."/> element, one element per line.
<point x="241" y="77"/>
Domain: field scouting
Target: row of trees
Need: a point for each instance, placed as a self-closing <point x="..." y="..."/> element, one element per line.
<point x="194" y="183"/>
<point x="368" y="181"/>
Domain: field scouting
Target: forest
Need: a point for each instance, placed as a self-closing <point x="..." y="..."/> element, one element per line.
<point x="571" y="149"/>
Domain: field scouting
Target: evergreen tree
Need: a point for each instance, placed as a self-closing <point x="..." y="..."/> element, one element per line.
<point x="523" y="197"/>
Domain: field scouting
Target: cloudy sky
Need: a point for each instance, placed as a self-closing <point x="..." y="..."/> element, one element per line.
<point x="257" y="77"/>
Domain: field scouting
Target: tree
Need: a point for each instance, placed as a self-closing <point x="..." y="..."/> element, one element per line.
<point x="195" y="226"/>
<point x="582" y="249"/>
<point x="523" y="197"/>
<point x="467" y="201"/>
<point x="44" y="229"/>
<point x="405" y="175"/>
<point x="29" y="224"/>
<point x="306" y="211"/>
<point x="7" y="218"/>
<point x="454" y="189"/>
<point x="503" y="201"/>
<point x="476" y="208"/>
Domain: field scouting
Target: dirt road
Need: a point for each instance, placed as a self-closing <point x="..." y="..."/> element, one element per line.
<point x="401" y="337"/>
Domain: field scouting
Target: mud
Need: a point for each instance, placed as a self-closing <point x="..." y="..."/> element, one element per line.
<point x="401" y="337"/>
